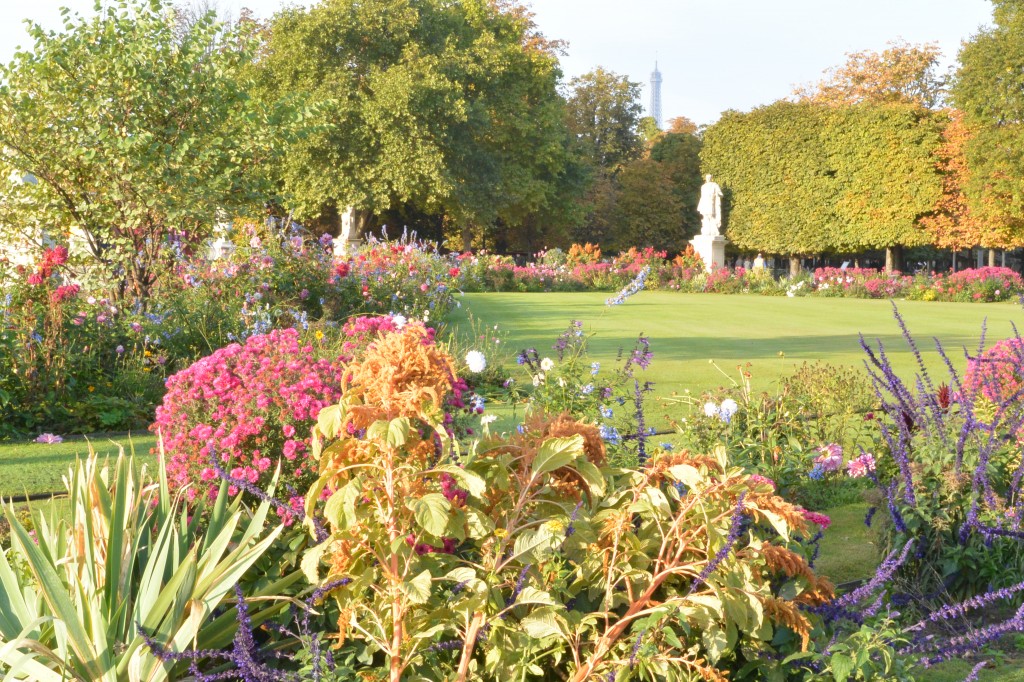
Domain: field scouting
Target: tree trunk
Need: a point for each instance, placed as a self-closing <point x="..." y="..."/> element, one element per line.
<point x="889" y="259"/>
<point x="467" y="237"/>
<point x="954" y="260"/>
<point x="794" y="266"/>
<point x="991" y="258"/>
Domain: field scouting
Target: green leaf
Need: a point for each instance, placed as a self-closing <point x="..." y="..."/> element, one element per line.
<point x="555" y="453"/>
<point x="541" y="624"/>
<point x="686" y="474"/>
<point x="418" y="588"/>
<point x="842" y="666"/>
<point x="432" y="513"/>
<point x="398" y="432"/>
<point x="467" y="479"/>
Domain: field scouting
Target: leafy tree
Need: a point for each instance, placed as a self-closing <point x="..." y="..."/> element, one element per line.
<point x="953" y="224"/>
<point x="449" y="107"/>
<point x="681" y="124"/>
<point x="902" y="73"/>
<point x="989" y="89"/>
<point x="132" y="135"/>
<point x="604" y="118"/>
<point x="649" y="209"/>
<point x="678" y="153"/>
<point x="604" y="115"/>
<point x="803" y="178"/>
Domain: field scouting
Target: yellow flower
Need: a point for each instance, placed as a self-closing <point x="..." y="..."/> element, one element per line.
<point x="500" y="532"/>
<point x="319" y="335"/>
<point x="91" y="389"/>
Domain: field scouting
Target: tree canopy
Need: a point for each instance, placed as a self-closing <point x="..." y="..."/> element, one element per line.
<point x="451" y="107"/>
<point x="134" y="131"/>
<point x="806" y="178"/>
<point x="901" y="74"/>
<point x="989" y="89"/>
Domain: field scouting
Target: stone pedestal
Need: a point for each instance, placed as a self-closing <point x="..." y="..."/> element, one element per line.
<point x="710" y="249"/>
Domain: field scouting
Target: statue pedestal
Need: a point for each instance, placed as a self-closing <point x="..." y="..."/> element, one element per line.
<point x="710" y="249"/>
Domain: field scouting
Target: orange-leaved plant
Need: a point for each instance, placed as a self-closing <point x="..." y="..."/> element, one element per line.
<point x="528" y="554"/>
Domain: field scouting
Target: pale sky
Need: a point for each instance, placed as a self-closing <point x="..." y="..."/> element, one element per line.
<point x="714" y="55"/>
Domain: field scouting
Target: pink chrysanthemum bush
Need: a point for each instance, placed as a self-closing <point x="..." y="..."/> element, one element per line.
<point x="248" y="406"/>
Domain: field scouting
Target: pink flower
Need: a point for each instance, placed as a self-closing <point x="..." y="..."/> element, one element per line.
<point x="49" y="439"/>
<point x="831" y="457"/>
<point x="818" y="518"/>
<point x="860" y="466"/>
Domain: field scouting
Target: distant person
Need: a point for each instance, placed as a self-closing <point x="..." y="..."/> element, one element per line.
<point x="759" y="262"/>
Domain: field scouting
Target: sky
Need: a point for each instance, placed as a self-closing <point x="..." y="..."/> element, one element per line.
<point x="713" y="55"/>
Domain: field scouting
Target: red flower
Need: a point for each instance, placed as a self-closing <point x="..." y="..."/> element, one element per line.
<point x="341" y="269"/>
<point x="454" y="272"/>
<point x="35" y="279"/>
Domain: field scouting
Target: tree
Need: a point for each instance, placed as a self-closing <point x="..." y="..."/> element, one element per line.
<point x="133" y="135"/>
<point x="604" y="119"/>
<point x="902" y="74"/>
<point x="681" y="124"/>
<point x="648" y="210"/>
<point x="953" y="224"/>
<point x="678" y="153"/>
<point x="604" y="115"/>
<point x="989" y="89"/>
<point x="449" y="107"/>
<point x="805" y="178"/>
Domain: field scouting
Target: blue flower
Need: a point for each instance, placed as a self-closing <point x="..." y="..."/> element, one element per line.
<point x="817" y="473"/>
<point x="595" y="367"/>
<point x="587" y="390"/>
<point x="606" y="412"/>
<point x="610" y="434"/>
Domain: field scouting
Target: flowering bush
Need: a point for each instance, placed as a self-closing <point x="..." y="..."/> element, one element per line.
<point x="246" y="405"/>
<point x="997" y="374"/>
<point x="973" y="284"/>
<point x="948" y="471"/>
<point x="506" y="558"/>
<point x="68" y="362"/>
<point x="860" y="283"/>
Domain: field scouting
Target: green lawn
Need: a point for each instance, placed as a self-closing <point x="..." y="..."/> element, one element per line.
<point x="37" y="467"/>
<point x="688" y="330"/>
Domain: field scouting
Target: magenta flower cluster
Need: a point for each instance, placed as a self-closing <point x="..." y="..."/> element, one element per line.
<point x="250" y="406"/>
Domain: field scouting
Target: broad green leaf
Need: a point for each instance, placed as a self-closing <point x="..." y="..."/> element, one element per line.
<point x="432" y="512"/>
<point x="467" y="479"/>
<point x="418" y="589"/>
<point x="842" y="666"/>
<point x="541" y="623"/>
<point x="686" y="474"/>
<point x="556" y="453"/>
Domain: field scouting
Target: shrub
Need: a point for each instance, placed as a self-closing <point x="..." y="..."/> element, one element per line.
<point x="247" y="405"/>
<point x="495" y="562"/>
<point x="998" y="373"/>
<point x="950" y="472"/>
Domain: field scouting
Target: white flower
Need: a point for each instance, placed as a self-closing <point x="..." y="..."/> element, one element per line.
<point x="538" y="379"/>
<point x="547" y="364"/>
<point x="561" y="382"/>
<point x="728" y="408"/>
<point x="488" y="419"/>
<point x="476" y="361"/>
<point x="399" y="320"/>
<point x="710" y="409"/>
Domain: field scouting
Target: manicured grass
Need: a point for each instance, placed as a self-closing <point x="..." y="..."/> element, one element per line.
<point x="775" y="335"/>
<point x="37" y="467"/>
<point x="848" y="550"/>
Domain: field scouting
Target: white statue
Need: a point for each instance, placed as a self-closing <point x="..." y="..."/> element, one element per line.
<point x="710" y="208"/>
<point x="344" y="240"/>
